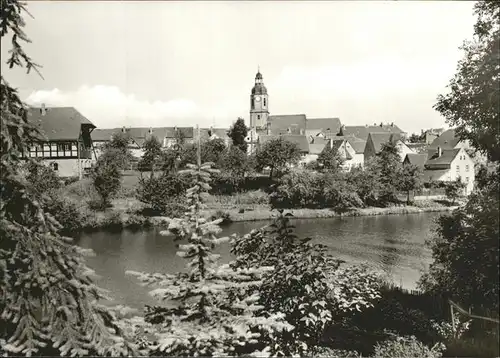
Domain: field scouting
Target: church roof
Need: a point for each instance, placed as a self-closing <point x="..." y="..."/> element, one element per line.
<point x="288" y="124"/>
<point x="259" y="88"/>
<point x="330" y="125"/>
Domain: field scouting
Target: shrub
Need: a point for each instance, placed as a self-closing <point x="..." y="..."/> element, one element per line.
<point x="454" y="190"/>
<point x="305" y="283"/>
<point x="163" y="194"/>
<point x="72" y="218"/>
<point x="226" y="184"/>
<point x="107" y="180"/>
<point x="407" y="347"/>
<point x="70" y="180"/>
<point x="225" y="216"/>
<point x="298" y="189"/>
<point x="41" y="177"/>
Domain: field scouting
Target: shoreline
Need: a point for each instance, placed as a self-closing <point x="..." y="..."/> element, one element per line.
<point x="116" y="221"/>
<point x="264" y="214"/>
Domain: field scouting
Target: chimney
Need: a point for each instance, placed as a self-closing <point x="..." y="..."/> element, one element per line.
<point x="439" y="151"/>
<point x="268" y="128"/>
<point x="124" y="130"/>
<point x="392" y="124"/>
<point x="366" y="125"/>
<point x="150" y="130"/>
<point x="381" y="124"/>
<point x="43" y="110"/>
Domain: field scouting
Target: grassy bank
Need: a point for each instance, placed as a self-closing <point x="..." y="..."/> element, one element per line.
<point x="263" y="212"/>
<point x="127" y="212"/>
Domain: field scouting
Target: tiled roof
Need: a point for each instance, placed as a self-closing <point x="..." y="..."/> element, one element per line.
<point x="357" y="144"/>
<point x="103" y="135"/>
<point x="139" y="134"/>
<point x="362" y="132"/>
<point x="416" y="159"/>
<point x="380" y="138"/>
<point x="170" y="131"/>
<point x="331" y="125"/>
<point x="59" y="123"/>
<point x="219" y="132"/>
<point x="280" y="124"/>
<point x="447" y="156"/>
<point x="316" y="148"/>
<point x="447" y="140"/>
<point x="300" y="140"/>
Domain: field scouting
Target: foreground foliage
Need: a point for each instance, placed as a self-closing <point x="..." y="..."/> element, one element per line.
<point x="48" y="303"/>
<point x="307" y="284"/>
<point x="216" y="309"/>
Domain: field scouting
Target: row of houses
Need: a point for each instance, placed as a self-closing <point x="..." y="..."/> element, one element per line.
<point x="72" y="142"/>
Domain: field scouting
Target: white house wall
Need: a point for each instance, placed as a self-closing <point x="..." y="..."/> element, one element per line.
<point x="69" y="167"/>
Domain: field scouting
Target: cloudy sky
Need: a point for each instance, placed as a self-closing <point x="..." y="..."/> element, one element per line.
<point x="173" y="63"/>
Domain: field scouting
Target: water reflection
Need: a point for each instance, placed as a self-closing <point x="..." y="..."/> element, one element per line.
<point x="392" y="244"/>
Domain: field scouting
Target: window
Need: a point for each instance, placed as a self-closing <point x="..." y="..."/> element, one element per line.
<point x="54" y="166"/>
<point x="466" y="179"/>
<point x="62" y="147"/>
<point x="466" y="168"/>
<point x="258" y="116"/>
<point x="458" y="168"/>
<point x="264" y="102"/>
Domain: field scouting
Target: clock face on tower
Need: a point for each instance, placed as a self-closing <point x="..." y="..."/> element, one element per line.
<point x="257" y="98"/>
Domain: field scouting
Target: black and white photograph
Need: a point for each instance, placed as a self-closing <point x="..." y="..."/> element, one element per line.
<point x="250" y="178"/>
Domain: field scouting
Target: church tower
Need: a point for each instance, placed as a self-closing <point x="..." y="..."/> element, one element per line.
<point x="259" y="104"/>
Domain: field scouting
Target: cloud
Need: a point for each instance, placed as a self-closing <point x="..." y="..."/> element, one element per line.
<point x="108" y="106"/>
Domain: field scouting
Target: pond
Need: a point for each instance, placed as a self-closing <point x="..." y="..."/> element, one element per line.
<point x="392" y="244"/>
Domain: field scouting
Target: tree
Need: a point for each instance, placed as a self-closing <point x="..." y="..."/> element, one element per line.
<point x="164" y="193"/>
<point x="117" y="150"/>
<point x="106" y="178"/>
<point x="473" y="103"/>
<point x="212" y="150"/>
<point x="410" y="179"/>
<point x="277" y="154"/>
<point x="341" y="193"/>
<point x="388" y="167"/>
<point x="48" y="302"/>
<point x="234" y="165"/>
<point x="330" y="160"/>
<point x="465" y="250"/>
<point x="152" y="154"/>
<point x="465" y="247"/>
<point x="415" y="138"/>
<point x="238" y="132"/>
<point x="216" y="312"/>
<point x="454" y="190"/>
<point x="365" y="182"/>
